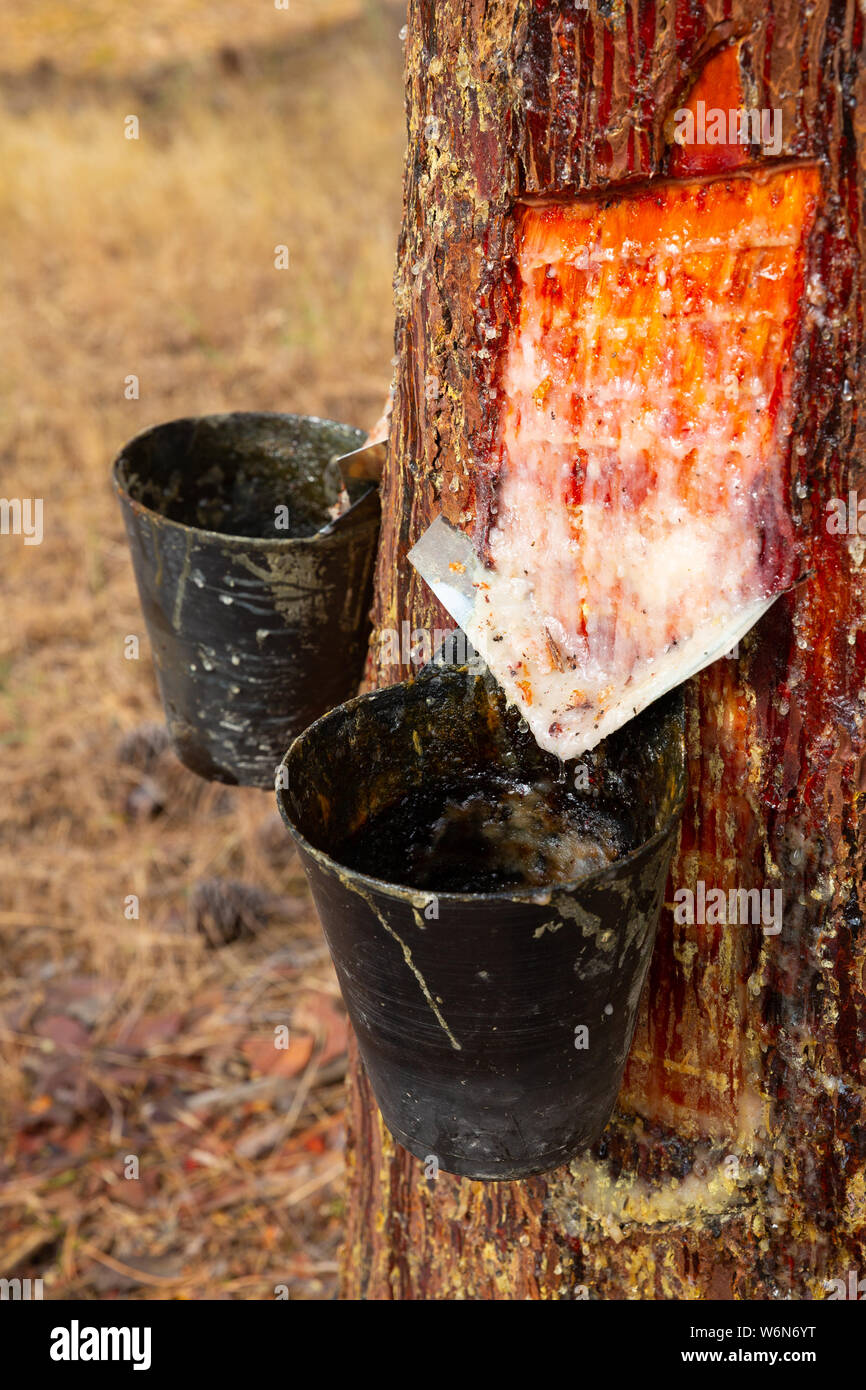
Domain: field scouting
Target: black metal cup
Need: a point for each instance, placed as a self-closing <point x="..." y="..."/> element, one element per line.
<point x="494" y="1025"/>
<point x="256" y="603"/>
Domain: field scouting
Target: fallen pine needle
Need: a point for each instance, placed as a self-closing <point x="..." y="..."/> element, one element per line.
<point x="129" y="1271"/>
<point x="321" y="1180"/>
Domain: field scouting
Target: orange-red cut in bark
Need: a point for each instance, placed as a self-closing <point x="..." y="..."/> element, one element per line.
<point x="642" y="520"/>
<point x="719" y="88"/>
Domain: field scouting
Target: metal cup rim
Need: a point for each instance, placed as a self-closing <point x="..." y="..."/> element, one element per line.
<point x="418" y="897"/>
<point x="227" y="538"/>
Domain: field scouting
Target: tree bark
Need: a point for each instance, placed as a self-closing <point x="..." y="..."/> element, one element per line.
<point x="735" y="1165"/>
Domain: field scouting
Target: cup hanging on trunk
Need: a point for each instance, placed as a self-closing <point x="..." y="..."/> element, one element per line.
<point x="255" y="592"/>
<point x="490" y="910"/>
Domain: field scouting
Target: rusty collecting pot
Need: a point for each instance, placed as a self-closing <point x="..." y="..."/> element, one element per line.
<point x="256" y="602"/>
<point x="490" y="911"/>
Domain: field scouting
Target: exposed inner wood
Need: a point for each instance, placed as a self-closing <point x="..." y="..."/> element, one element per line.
<point x="641" y="512"/>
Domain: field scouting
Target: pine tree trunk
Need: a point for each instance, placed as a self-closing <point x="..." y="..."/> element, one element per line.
<point x="734" y="1166"/>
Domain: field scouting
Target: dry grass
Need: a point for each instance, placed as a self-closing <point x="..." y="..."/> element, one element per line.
<point x="88" y="36"/>
<point x="156" y="257"/>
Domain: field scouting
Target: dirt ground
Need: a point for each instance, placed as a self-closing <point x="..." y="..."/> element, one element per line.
<point x="153" y="1142"/>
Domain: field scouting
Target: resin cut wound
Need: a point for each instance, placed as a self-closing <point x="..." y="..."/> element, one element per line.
<point x="640" y="524"/>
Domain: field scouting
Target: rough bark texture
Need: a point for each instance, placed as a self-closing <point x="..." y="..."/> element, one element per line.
<point x="734" y="1166"/>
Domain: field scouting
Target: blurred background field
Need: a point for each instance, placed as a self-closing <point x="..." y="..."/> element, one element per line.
<point x="153" y="1038"/>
